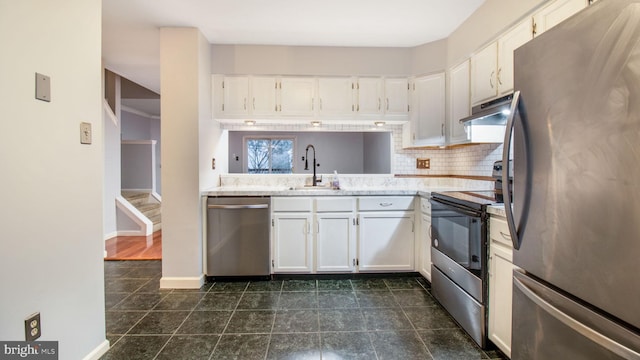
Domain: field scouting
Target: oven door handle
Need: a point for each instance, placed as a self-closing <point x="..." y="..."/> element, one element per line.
<point x="454" y="207"/>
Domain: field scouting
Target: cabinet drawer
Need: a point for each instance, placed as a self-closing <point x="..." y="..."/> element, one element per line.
<point x="499" y="231"/>
<point x="292" y="204"/>
<point x="334" y="204"/>
<point x="381" y="203"/>
<point x="425" y="205"/>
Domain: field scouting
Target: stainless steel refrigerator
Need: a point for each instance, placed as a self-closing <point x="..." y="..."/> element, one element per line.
<point x="576" y="197"/>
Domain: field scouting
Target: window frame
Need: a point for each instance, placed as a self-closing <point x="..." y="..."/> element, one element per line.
<point x="245" y="155"/>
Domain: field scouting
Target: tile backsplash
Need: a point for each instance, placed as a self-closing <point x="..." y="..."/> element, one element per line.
<point x="473" y="160"/>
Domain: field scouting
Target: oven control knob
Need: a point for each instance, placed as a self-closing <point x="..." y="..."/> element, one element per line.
<point x="435" y="242"/>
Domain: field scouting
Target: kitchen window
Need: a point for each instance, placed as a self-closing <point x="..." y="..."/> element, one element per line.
<point x="269" y="155"/>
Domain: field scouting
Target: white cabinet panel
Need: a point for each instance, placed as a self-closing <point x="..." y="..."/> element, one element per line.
<point x="386" y="241"/>
<point x="335" y="96"/>
<point x="483" y="74"/>
<point x="429" y="110"/>
<point x="335" y="242"/>
<point x="292" y="251"/>
<point x="297" y="96"/>
<point x="459" y="102"/>
<point x="396" y="92"/>
<point x="507" y="43"/>
<point x="235" y="91"/>
<point x="425" y="246"/>
<point x="369" y="96"/>
<point x="555" y="13"/>
<point x="264" y="99"/>
<point x="500" y="284"/>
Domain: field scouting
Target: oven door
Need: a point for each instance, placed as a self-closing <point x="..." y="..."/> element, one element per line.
<point x="457" y="233"/>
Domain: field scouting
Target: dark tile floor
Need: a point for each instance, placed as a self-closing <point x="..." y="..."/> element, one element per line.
<point x="386" y="318"/>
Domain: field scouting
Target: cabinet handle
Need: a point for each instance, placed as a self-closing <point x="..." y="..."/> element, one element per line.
<point x="254" y="103"/>
<point x="534" y="27"/>
<point x="387" y="104"/>
<point x="317" y="227"/>
<point x="430" y="232"/>
<point x="358" y="108"/>
<point x="385" y="204"/>
<point x="245" y="104"/>
<point x="308" y="228"/>
<point x="491" y="78"/>
<point x="506" y="236"/>
<point x="312" y="103"/>
<point x="353" y="107"/>
<point x="354" y="262"/>
<point x="442" y="129"/>
<point x="379" y="104"/>
<point x="499" y="80"/>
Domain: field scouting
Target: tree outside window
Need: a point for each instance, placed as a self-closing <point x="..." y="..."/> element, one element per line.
<point x="269" y="155"/>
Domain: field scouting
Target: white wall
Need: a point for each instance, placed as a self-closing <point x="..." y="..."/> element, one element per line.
<point x="52" y="186"/>
<point x="184" y="106"/>
<point x="111" y="173"/>
<point x="310" y="60"/>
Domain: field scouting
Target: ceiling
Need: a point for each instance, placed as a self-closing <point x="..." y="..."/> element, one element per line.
<point x="131" y="37"/>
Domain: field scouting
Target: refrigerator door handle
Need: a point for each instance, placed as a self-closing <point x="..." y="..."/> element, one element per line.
<point x="576" y="325"/>
<point x="508" y="134"/>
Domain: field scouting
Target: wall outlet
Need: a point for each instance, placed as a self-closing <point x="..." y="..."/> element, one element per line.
<point x="32" y="327"/>
<point x="423" y="163"/>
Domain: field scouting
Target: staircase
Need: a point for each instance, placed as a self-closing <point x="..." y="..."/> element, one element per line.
<point x="147" y="205"/>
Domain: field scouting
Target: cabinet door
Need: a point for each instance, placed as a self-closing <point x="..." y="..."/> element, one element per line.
<point x="297" y="96"/>
<point x="335" y="242"/>
<point x="425" y="246"/>
<point x="335" y="97"/>
<point x="292" y="251"/>
<point x="459" y="105"/>
<point x="263" y="95"/>
<point x="510" y="41"/>
<point x="483" y="74"/>
<point x="235" y="91"/>
<point x="500" y="287"/>
<point x="369" y="99"/>
<point x="555" y="13"/>
<point x="386" y="241"/>
<point x="429" y="97"/>
<point x="396" y="92"/>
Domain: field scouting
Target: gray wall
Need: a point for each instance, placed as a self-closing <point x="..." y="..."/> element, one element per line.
<point x="137" y="166"/>
<point x="345" y="152"/>
<point x="377" y="153"/>
<point x="137" y="127"/>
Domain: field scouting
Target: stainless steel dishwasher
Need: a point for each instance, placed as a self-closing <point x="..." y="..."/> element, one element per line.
<point x="238" y="236"/>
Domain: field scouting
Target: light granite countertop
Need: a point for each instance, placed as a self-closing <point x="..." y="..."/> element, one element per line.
<point x="319" y="191"/>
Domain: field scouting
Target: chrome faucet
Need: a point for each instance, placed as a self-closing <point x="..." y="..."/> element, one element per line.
<point x="306" y="163"/>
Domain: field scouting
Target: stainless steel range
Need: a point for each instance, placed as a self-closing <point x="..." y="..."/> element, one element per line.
<point x="459" y="254"/>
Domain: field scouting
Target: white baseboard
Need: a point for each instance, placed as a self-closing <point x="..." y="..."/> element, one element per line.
<point x="131" y="233"/>
<point x="110" y="235"/>
<point x="96" y="353"/>
<point x="181" y="282"/>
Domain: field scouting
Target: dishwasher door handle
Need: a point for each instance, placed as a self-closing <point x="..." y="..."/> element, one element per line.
<point x="234" y="207"/>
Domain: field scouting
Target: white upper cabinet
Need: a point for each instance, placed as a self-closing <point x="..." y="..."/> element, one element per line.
<point x="396" y="92"/>
<point x="484" y="79"/>
<point x="336" y="96"/>
<point x="492" y="67"/>
<point x="459" y="105"/>
<point x="264" y="95"/>
<point x="507" y="43"/>
<point x="297" y="96"/>
<point x="369" y="96"/>
<point x="429" y="109"/>
<point x="235" y="96"/>
<point x="555" y="13"/>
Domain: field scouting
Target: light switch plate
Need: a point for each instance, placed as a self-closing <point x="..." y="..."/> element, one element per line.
<point x="43" y="87"/>
<point x="85" y="133"/>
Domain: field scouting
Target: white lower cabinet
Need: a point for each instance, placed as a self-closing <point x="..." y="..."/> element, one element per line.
<point x="500" y="284"/>
<point x="425" y="239"/>
<point x="291" y="239"/>
<point x="335" y="235"/>
<point x="327" y="234"/>
<point x="386" y="234"/>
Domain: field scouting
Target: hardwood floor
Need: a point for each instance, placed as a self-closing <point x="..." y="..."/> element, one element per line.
<point x="135" y="247"/>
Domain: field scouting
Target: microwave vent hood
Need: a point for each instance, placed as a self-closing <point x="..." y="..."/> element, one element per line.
<point x="487" y="122"/>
